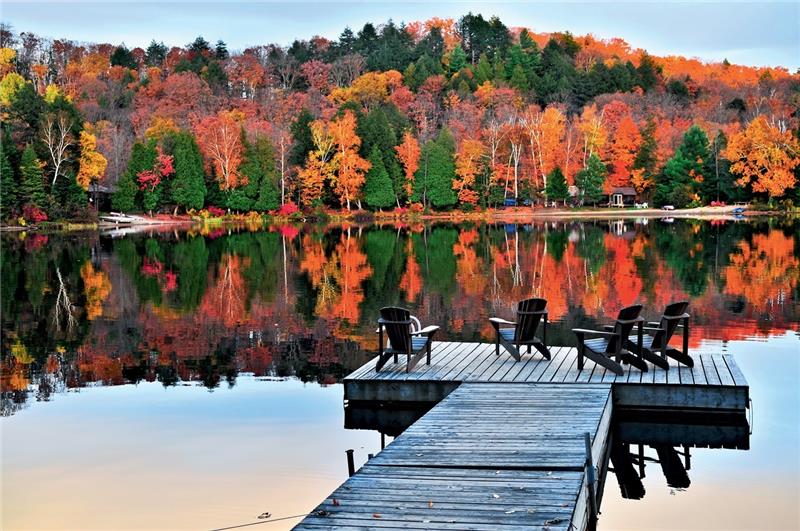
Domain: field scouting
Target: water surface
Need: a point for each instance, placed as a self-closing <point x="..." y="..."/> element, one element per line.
<point x="189" y="379"/>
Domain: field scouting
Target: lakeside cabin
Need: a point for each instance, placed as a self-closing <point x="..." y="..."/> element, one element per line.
<point x="622" y="196"/>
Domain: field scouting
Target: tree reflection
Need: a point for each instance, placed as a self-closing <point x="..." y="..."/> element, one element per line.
<point x="178" y="307"/>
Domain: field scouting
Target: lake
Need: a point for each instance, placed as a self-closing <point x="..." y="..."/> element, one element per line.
<point x="190" y="379"/>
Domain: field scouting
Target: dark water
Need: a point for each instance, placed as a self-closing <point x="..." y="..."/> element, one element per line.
<point x="189" y="380"/>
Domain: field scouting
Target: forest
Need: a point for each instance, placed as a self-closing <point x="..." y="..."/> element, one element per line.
<point x="437" y="115"/>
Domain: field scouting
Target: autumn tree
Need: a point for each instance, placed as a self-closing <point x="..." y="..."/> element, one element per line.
<point x="764" y="157"/>
<point x="469" y="162"/>
<point x="219" y="138"/>
<point x="622" y="152"/>
<point x="408" y="152"/>
<point x="349" y="166"/>
<point x="92" y="165"/>
<point x="318" y="168"/>
<point x="378" y="186"/>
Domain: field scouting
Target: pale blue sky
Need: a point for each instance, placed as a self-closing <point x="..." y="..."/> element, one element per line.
<point x="754" y="33"/>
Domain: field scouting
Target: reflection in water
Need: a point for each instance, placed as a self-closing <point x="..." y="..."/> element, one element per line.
<point x="301" y="301"/>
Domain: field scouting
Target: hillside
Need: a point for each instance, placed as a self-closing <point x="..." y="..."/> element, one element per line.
<point x="438" y="114"/>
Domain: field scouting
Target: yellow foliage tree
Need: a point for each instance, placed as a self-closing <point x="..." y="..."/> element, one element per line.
<point x="92" y="163"/>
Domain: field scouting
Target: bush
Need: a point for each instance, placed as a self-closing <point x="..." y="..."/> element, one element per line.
<point x="287" y="209"/>
<point x="33" y="214"/>
<point x="215" y="211"/>
<point x="416" y="208"/>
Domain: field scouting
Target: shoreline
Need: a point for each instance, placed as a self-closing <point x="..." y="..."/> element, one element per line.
<point x="514" y="215"/>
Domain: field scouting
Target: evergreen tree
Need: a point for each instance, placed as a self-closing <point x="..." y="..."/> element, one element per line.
<point x="31" y="180"/>
<point x="590" y="180"/>
<point x="155" y="54"/>
<point x="258" y="165"/>
<point x="458" y="59"/>
<point x="483" y="70"/>
<point x="122" y="56"/>
<point x="647" y="157"/>
<point x="556" y="189"/>
<point x="8" y="183"/>
<point x="67" y="197"/>
<point x="124" y="198"/>
<point x="433" y="182"/>
<point x="303" y="142"/>
<point x="378" y="191"/>
<point x="188" y="188"/>
<point x="685" y="171"/>
<point x="379" y="129"/>
<point x="518" y="79"/>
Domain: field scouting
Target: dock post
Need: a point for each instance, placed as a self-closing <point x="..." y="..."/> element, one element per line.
<point x="351" y="467"/>
<point x="591" y="479"/>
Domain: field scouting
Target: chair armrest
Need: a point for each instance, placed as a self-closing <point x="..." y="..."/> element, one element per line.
<point x="582" y="331"/>
<point x="540" y="312"/>
<point x="499" y="321"/>
<point x="428" y="330"/>
<point x="676" y="317"/>
<point x="383" y="322"/>
<point x="631" y="321"/>
<point x="608" y="328"/>
<point x="653" y="328"/>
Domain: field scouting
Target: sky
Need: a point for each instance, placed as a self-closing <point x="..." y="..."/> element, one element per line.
<point x="751" y="33"/>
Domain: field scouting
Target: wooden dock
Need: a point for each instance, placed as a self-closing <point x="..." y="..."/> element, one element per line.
<point x="715" y="383"/>
<point x="505" y="446"/>
<point x="489" y="456"/>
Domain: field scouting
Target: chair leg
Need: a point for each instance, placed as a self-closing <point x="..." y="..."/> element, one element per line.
<point x="605" y="361"/>
<point x="580" y="357"/>
<point x="681" y="357"/>
<point x="542" y="349"/>
<point x="510" y="348"/>
<point x="429" y="352"/>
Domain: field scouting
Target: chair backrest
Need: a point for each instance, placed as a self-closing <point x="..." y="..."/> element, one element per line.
<point x="528" y="322"/>
<point x="397" y="323"/>
<point x="623" y="330"/>
<point x="670" y="325"/>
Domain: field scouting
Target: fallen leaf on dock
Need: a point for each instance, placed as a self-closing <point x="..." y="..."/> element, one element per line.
<point x="430" y="504"/>
<point x="335" y="502"/>
<point x="376" y="515"/>
<point x="264" y="515"/>
<point x="495" y="496"/>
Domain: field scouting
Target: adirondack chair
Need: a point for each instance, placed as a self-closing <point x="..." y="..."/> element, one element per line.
<point x="405" y="337"/>
<point x="612" y="342"/>
<point x="655" y="343"/>
<point x="522" y="332"/>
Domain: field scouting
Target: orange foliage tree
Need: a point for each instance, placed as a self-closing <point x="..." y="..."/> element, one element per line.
<point x="92" y="164"/>
<point x="350" y="167"/>
<point x="764" y="156"/>
<point x="468" y="164"/>
<point x="408" y="152"/>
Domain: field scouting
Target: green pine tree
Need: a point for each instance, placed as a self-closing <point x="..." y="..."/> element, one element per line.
<point x="458" y="59"/>
<point x="684" y="173"/>
<point x="31" y="190"/>
<point x="556" y="189"/>
<point x="188" y="184"/>
<point x="8" y="184"/>
<point x="647" y="156"/>
<point x="378" y="186"/>
<point x="433" y="182"/>
<point x="483" y="70"/>
<point x="590" y="180"/>
<point x="124" y="198"/>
